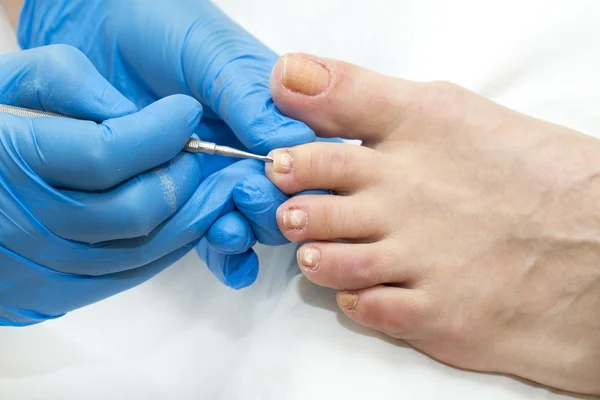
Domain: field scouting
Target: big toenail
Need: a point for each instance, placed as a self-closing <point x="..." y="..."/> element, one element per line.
<point x="283" y="162"/>
<point x="304" y="76"/>
<point x="294" y="219"/>
<point x="309" y="258"/>
<point x="348" y="300"/>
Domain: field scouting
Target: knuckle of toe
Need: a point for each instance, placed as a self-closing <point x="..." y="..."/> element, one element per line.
<point x="345" y="166"/>
<point x="335" y="222"/>
<point x="328" y="165"/>
<point x="353" y="269"/>
<point x="354" y="223"/>
<point x="304" y="161"/>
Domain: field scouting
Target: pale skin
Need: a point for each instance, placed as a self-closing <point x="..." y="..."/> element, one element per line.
<point x="12" y="8"/>
<point x="469" y="230"/>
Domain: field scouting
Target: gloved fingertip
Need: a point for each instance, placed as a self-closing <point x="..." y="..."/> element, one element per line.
<point x="183" y="106"/>
<point x="22" y="318"/>
<point x="161" y="128"/>
<point x="231" y="234"/>
<point x="245" y="276"/>
<point x="236" y="271"/>
<point x="257" y="199"/>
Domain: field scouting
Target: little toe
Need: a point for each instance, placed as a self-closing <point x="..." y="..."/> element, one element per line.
<point x="338" y="166"/>
<point x="397" y="312"/>
<point x="346" y="266"/>
<point x="326" y="217"/>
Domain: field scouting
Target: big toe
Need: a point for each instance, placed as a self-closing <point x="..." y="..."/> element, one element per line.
<point x="337" y="99"/>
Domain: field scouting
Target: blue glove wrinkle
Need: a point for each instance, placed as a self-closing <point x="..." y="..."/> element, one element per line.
<point x="123" y="76"/>
<point x="258" y="200"/>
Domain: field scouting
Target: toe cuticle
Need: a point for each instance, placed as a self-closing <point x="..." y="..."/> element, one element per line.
<point x="348" y="300"/>
<point x="309" y="258"/>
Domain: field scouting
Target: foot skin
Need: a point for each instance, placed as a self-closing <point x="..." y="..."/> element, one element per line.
<point x="469" y="230"/>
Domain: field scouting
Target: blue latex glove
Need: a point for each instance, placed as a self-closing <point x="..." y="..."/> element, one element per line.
<point x="150" y="49"/>
<point x="88" y="210"/>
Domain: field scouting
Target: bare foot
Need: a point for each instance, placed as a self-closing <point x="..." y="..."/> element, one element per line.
<point x="471" y="231"/>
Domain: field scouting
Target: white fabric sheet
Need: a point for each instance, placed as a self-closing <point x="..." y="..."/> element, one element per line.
<point x="184" y="336"/>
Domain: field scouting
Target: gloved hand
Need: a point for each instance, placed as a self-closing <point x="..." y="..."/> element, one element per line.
<point x="88" y="210"/>
<point x="149" y="49"/>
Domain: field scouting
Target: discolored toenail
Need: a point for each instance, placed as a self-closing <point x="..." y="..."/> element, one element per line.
<point x="294" y="219"/>
<point x="309" y="258"/>
<point x="283" y="161"/>
<point x="301" y="75"/>
<point x="348" y="300"/>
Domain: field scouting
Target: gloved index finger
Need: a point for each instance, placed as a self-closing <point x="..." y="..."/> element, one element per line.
<point x="229" y="70"/>
<point x="84" y="155"/>
<point x="62" y="80"/>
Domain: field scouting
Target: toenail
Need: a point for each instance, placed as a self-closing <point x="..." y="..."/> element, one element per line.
<point x="283" y="162"/>
<point x="304" y="76"/>
<point x="348" y="300"/>
<point x="309" y="258"/>
<point x="294" y="219"/>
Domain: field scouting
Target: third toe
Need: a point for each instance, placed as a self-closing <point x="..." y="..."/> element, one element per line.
<point x="328" y="217"/>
